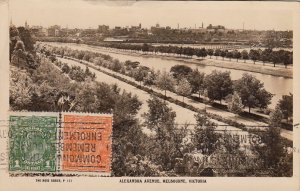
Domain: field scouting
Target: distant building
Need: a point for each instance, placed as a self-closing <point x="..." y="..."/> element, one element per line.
<point x="54" y="30"/>
<point x="103" y="28"/>
<point x="112" y="39"/>
<point x="197" y="31"/>
<point x="168" y="28"/>
<point x="26" y="25"/>
<point x="38" y="31"/>
<point x="217" y="28"/>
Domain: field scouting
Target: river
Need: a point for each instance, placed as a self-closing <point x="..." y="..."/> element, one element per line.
<point x="276" y="85"/>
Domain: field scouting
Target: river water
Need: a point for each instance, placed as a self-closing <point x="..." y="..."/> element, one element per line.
<point x="276" y="85"/>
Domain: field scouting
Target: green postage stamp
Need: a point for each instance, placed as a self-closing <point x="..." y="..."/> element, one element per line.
<point x="32" y="142"/>
<point x="58" y="144"/>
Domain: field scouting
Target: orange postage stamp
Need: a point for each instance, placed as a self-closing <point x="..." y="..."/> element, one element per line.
<point x="86" y="143"/>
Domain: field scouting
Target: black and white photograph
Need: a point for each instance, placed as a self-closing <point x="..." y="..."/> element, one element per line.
<point x="196" y="89"/>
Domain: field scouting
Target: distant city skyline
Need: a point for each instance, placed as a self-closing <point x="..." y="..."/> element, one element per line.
<point x="91" y="13"/>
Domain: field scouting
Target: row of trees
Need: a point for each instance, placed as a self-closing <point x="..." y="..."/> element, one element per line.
<point x="76" y="72"/>
<point x="266" y="55"/>
<point x="183" y="80"/>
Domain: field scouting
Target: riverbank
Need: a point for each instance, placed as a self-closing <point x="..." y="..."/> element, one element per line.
<point x="247" y="67"/>
<point x="267" y="69"/>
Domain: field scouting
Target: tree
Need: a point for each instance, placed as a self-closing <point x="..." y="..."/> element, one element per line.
<point x="275" y="58"/>
<point x="20" y="91"/>
<point x="235" y="104"/>
<point x="272" y="151"/>
<point x="210" y="52"/>
<point x="145" y="47"/>
<point x="266" y="55"/>
<point x="223" y="53"/>
<point x="140" y="73"/>
<point x="25" y="36"/>
<point x="159" y="113"/>
<point x="276" y="117"/>
<point x="14" y="38"/>
<point x="201" y="52"/>
<point x="166" y="146"/>
<point x="180" y="71"/>
<point x="165" y="82"/>
<point x="286" y="106"/>
<point x="244" y="55"/>
<point x="285" y="57"/>
<point x="150" y="78"/>
<point x="188" y="51"/>
<point x="252" y="92"/>
<point x="116" y="65"/>
<point x="217" y="53"/>
<point x="218" y="85"/>
<point x="131" y="65"/>
<point x="237" y="55"/>
<point x="184" y="88"/>
<point x="254" y="55"/>
<point x="196" y="80"/>
<point x="229" y="55"/>
<point x="205" y="138"/>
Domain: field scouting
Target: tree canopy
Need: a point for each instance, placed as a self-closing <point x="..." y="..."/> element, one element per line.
<point x="218" y="85"/>
<point x="252" y="92"/>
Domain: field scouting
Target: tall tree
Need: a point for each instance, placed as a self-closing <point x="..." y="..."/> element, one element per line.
<point x="217" y="53"/>
<point x="165" y="82"/>
<point x="167" y="143"/>
<point x="180" y="71"/>
<point x="218" y="85"/>
<point x="254" y="55"/>
<point x="245" y="55"/>
<point x="266" y="55"/>
<point x="184" y="88"/>
<point x="275" y="57"/>
<point x="229" y="55"/>
<point x="210" y="52"/>
<point x="237" y="55"/>
<point x="26" y="37"/>
<point x="252" y="92"/>
<point x="205" y="138"/>
<point x="235" y="104"/>
<point x="196" y="80"/>
<point x="286" y="105"/>
<point x="223" y="53"/>
<point x="150" y="78"/>
<point x="140" y="73"/>
<point x="276" y="117"/>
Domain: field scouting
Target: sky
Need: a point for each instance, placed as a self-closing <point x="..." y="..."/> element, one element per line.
<point x="91" y="13"/>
